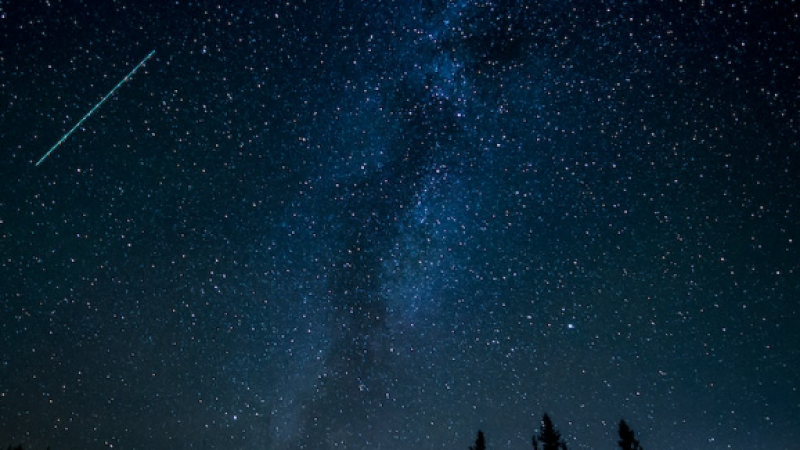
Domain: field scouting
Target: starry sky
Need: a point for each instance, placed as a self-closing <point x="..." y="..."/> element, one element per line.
<point x="386" y="224"/>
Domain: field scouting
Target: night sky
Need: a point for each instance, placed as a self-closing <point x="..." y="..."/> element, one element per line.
<point x="388" y="224"/>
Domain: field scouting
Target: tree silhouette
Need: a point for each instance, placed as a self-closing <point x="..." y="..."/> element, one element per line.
<point x="480" y="442"/>
<point x="626" y="438"/>
<point x="549" y="436"/>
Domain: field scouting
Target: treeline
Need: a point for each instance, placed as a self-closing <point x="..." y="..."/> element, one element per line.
<point x="549" y="438"/>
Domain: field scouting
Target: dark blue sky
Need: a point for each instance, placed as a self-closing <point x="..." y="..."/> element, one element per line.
<point x="383" y="225"/>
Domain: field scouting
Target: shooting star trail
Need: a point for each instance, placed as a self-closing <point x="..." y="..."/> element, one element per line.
<point x="64" y="138"/>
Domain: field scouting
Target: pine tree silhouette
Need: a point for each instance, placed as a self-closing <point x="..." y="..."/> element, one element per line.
<point x="626" y="438"/>
<point x="480" y="442"/>
<point x="549" y="436"/>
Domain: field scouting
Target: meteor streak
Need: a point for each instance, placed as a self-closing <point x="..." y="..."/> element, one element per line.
<point x="64" y="138"/>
